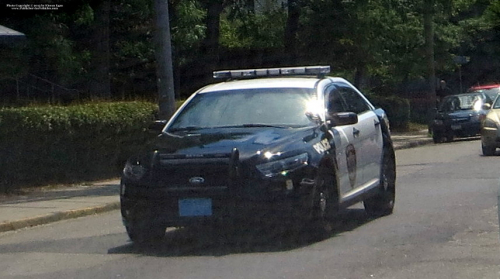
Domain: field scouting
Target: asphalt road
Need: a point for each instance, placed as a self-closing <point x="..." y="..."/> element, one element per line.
<point x="445" y="225"/>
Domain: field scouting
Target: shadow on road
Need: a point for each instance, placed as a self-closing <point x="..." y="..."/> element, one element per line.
<point x="245" y="239"/>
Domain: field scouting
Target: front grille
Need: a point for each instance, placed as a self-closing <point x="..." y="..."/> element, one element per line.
<point x="175" y="172"/>
<point x="461" y="120"/>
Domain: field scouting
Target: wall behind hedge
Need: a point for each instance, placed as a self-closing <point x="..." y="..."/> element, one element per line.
<point x="66" y="144"/>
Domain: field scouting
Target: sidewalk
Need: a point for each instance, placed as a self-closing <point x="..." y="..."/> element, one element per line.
<point x="51" y="205"/>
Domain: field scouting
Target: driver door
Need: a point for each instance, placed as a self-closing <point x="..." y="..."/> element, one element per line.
<point x="347" y="143"/>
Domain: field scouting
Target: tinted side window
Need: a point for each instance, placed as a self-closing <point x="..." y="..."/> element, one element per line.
<point x="354" y="102"/>
<point x="450" y="104"/>
<point x="334" y="101"/>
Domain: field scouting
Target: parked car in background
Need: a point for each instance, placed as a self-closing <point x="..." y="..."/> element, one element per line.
<point x="490" y="132"/>
<point x="491" y="90"/>
<point x="459" y="115"/>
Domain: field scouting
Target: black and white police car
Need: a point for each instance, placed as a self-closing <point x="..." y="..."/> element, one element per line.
<point x="292" y="143"/>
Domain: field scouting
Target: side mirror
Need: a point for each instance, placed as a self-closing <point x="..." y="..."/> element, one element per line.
<point x="157" y="126"/>
<point x="343" y="118"/>
<point x="486" y="106"/>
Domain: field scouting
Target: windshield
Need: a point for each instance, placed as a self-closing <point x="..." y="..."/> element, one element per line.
<point x="250" y="107"/>
<point x="491" y="93"/>
<point x="496" y="105"/>
<point x="461" y="102"/>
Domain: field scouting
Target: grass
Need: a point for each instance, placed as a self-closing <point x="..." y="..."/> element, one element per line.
<point x="414" y="127"/>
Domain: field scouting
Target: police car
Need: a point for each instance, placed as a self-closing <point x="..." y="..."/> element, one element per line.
<point x="292" y="143"/>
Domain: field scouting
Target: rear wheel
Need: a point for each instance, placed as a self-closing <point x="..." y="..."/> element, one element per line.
<point x="382" y="203"/>
<point x="488" y="150"/>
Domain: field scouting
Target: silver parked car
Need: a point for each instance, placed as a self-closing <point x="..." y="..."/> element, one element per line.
<point x="490" y="130"/>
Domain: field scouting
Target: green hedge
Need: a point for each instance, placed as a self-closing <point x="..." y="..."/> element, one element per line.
<point x="397" y="109"/>
<point x="61" y="144"/>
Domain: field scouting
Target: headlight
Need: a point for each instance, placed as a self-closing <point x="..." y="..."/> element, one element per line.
<point x="438" y="122"/>
<point x="284" y="165"/>
<point x="134" y="170"/>
<point x="478" y="105"/>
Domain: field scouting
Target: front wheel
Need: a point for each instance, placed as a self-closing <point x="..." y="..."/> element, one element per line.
<point x="143" y="231"/>
<point x="488" y="150"/>
<point x="437" y="137"/>
<point x="382" y="203"/>
<point x="450" y="136"/>
<point x="324" y="204"/>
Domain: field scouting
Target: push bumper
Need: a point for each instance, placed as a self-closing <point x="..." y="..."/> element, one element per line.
<point x="262" y="200"/>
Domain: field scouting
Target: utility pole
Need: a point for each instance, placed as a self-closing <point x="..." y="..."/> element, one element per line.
<point x="429" y="53"/>
<point x="164" y="71"/>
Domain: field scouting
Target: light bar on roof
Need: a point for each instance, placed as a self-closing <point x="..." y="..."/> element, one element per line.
<point x="288" y="71"/>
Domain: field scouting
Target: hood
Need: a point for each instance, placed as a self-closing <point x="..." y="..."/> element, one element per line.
<point x="222" y="141"/>
<point x="459" y="114"/>
<point x="494" y="114"/>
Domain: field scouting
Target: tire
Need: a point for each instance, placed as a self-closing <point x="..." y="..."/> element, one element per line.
<point x="450" y="136"/>
<point x="382" y="203"/>
<point x="325" y="204"/>
<point x="437" y="137"/>
<point x="142" y="232"/>
<point x="488" y="150"/>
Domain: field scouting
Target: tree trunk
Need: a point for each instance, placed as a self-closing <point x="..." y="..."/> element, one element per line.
<point x="100" y="84"/>
<point x="164" y="71"/>
<point x="211" y="43"/>
<point x="429" y="53"/>
<point x="291" y="29"/>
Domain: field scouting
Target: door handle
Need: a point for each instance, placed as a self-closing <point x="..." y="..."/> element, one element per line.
<point x="355" y="132"/>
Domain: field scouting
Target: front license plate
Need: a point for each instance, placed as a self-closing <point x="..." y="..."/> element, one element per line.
<point x="195" y="207"/>
<point x="456" y="127"/>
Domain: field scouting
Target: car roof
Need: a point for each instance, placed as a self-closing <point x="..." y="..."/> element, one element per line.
<point x="269" y="82"/>
<point x="465" y="94"/>
<point x="478" y="87"/>
<point x="262" y="83"/>
<point x="307" y="77"/>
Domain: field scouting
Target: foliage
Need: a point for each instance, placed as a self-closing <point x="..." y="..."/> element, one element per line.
<point x="397" y="109"/>
<point x="188" y="29"/>
<point x="45" y="144"/>
<point x="379" y="43"/>
<point x="252" y="30"/>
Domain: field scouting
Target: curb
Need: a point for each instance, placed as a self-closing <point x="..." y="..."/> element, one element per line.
<point x="57" y="216"/>
<point x="411" y="144"/>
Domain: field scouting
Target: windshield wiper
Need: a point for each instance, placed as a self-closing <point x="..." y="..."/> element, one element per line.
<point x="248" y="125"/>
<point x="188" y="128"/>
<point x="252" y="125"/>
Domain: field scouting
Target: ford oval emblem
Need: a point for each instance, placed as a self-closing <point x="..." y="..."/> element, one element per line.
<point x="196" y="180"/>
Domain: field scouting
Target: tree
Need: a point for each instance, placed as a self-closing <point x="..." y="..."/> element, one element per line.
<point x="100" y="84"/>
<point x="291" y="31"/>
<point x="163" y="50"/>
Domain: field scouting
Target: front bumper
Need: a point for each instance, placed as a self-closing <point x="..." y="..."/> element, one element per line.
<point x="490" y="136"/>
<point x="468" y="128"/>
<point x="259" y="199"/>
